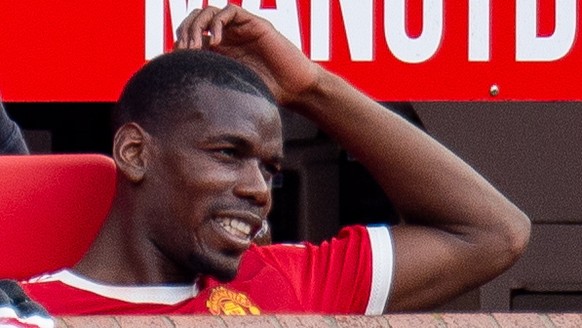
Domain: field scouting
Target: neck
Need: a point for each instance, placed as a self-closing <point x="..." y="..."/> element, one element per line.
<point x="123" y="254"/>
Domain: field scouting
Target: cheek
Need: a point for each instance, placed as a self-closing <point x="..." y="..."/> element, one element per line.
<point x="208" y="177"/>
<point x="211" y="184"/>
<point x="197" y="194"/>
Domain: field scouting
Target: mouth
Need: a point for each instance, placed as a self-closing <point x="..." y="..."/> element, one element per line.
<point x="235" y="227"/>
<point x="239" y="227"/>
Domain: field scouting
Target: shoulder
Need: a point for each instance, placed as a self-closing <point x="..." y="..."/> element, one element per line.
<point x="46" y="277"/>
<point x="350" y="241"/>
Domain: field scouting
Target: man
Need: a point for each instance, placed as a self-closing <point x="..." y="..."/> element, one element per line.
<point x="197" y="144"/>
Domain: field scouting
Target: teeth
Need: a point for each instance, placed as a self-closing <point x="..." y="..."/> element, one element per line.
<point x="235" y="227"/>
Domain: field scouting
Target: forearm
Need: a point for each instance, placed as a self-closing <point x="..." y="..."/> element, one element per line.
<point x="11" y="140"/>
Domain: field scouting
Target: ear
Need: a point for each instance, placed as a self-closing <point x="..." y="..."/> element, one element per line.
<point x="130" y="151"/>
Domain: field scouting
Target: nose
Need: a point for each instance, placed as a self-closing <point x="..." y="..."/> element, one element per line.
<point x="252" y="184"/>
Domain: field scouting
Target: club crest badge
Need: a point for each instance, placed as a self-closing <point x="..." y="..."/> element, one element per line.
<point x="223" y="301"/>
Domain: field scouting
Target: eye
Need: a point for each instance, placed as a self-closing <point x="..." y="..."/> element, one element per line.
<point x="273" y="169"/>
<point x="229" y="152"/>
<point x="225" y="153"/>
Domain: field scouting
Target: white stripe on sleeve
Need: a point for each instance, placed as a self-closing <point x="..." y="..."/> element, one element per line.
<point x="382" y="268"/>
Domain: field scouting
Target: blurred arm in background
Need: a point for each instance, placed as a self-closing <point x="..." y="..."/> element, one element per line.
<point x="11" y="139"/>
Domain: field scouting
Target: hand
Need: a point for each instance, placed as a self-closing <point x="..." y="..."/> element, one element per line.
<point x="18" y="310"/>
<point x="253" y="41"/>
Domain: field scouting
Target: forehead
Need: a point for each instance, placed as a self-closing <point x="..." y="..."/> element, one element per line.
<point x="222" y="111"/>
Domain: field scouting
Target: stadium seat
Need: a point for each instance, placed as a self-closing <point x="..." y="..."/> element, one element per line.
<point x="51" y="209"/>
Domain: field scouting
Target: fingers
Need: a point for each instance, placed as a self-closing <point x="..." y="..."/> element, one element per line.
<point x="220" y="21"/>
<point x="18" y="308"/>
<point x="31" y="309"/>
<point x="14" y="291"/>
<point x="194" y="26"/>
<point x="182" y="32"/>
<point x="192" y="31"/>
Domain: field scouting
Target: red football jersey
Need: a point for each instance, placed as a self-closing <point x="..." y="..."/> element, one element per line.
<point x="352" y="273"/>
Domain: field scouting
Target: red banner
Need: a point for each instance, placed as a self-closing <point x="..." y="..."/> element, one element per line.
<point x="419" y="50"/>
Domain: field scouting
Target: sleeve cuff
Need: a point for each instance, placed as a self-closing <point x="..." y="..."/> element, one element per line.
<point x="382" y="268"/>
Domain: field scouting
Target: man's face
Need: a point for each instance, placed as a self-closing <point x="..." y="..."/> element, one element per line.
<point x="211" y="177"/>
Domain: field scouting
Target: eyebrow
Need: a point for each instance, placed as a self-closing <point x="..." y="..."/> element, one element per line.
<point x="230" y="138"/>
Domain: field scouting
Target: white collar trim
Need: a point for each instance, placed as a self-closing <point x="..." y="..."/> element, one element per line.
<point x="167" y="295"/>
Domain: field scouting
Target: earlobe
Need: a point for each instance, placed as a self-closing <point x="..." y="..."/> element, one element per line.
<point x="129" y="151"/>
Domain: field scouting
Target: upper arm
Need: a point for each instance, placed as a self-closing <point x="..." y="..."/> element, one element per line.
<point x="433" y="266"/>
<point x="351" y="273"/>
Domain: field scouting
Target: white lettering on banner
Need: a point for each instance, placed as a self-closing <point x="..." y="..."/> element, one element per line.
<point x="531" y="47"/>
<point x="359" y="17"/>
<point x="405" y="48"/>
<point x="320" y="27"/>
<point x="479" y="30"/>
<point x="285" y="18"/>
<point x="179" y="11"/>
<point x="154" y="28"/>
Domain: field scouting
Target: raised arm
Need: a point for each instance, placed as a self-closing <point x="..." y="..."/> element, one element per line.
<point x="459" y="231"/>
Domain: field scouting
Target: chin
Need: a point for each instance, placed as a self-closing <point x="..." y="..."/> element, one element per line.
<point x="221" y="268"/>
<point x="225" y="276"/>
<point x="226" y="269"/>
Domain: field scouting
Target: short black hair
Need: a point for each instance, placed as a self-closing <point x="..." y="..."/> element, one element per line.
<point x="169" y="83"/>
